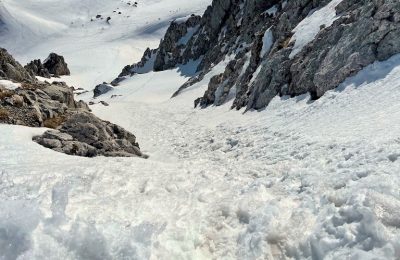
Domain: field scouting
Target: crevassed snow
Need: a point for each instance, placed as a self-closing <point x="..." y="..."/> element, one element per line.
<point x="299" y="180"/>
<point x="307" y="29"/>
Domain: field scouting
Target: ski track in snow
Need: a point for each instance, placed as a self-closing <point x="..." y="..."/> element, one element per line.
<point x="316" y="180"/>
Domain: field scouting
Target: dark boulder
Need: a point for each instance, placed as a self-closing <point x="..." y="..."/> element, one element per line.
<point x="36" y="68"/>
<point x="56" y="65"/>
<point x="84" y="134"/>
<point x="11" y="69"/>
<point x="101" y="89"/>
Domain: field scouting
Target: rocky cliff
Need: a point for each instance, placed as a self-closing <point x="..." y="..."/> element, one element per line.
<point x="11" y="69"/>
<point x="277" y="47"/>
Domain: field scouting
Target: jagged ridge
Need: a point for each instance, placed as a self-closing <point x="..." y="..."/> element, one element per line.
<point x="361" y="33"/>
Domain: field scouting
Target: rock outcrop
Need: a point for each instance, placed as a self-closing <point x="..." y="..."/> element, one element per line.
<point x="39" y="104"/>
<point x="53" y="65"/>
<point x="364" y="33"/>
<point x="169" y="54"/>
<point x="101" y="89"/>
<point x="175" y="42"/>
<point x="11" y="69"/>
<point x="257" y="40"/>
<point x="52" y="105"/>
<point x="84" y="134"/>
<point x="37" y="68"/>
<point x="56" y="65"/>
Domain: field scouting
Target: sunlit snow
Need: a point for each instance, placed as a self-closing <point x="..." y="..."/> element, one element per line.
<point x="307" y="29"/>
<point x="302" y="179"/>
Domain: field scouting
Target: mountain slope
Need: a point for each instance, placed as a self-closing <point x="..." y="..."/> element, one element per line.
<point x="302" y="179"/>
<point x="280" y="47"/>
<point x="96" y="50"/>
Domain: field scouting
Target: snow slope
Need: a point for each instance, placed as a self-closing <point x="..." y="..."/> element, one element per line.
<point x="299" y="180"/>
<point x="95" y="50"/>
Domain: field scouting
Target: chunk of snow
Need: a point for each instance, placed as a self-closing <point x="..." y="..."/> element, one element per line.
<point x="185" y="39"/>
<point x="268" y="40"/>
<point x="273" y="10"/>
<point x="9" y="84"/>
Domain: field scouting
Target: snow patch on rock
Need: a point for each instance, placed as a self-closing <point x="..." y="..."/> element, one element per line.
<point x="307" y="29"/>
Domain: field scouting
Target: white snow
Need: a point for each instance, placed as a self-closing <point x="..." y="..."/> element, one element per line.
<point x="148" y="66"/>
<point x="273" y="10"/>
<point x="94" y="50"/>
<point x="299" y="180"/>
<point x="181" y="20"/>
<point x="191" y="31"/>
<point x="268" y="41"/>
<point x="307" y="29"/>
<point x="9" y="84"/>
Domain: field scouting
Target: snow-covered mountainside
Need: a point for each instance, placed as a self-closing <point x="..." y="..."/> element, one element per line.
<point x="96" y="50"/>
<point x="278" y="47"/>
<point x="304" y="178"/>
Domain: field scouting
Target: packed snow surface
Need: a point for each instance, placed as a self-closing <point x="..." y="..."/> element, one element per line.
<point x="299" y="180"/>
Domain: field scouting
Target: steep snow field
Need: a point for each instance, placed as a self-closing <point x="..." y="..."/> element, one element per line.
<point x="300" y="180"/>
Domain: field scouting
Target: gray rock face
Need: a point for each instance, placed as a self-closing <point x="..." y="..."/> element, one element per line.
<point x="65" y="143"/>
<point x="56" y="65"/>
<point x="11" y="69"/>
<point x="175" y="41"/>
<point x="169" y="53"/>
<point x="118" y="80"/>
<point x="84" y="134"/>
<point x="365" y="32"/>
<point x="102" y="89"/>
<point x="146" y="64"/>
<point x="36" y="68"/>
